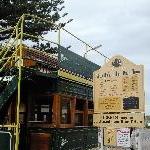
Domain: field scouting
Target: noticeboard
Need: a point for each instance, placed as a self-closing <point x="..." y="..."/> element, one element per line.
<point x="109" y="137"/>
<point x="123" y="137"/>
<point x="109" y="103"/>
<point x="118" y="87"/>
<point x="121" y="120"/>
<point x="5" y="140"/>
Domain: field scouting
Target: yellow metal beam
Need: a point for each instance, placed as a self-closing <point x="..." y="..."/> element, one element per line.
<point x="8" y="126"/>
<point x="19" y="86"/>
<point x="75" y="78"/>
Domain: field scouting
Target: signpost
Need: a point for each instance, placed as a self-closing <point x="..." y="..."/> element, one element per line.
<point x="119" y="102"/>
<point x="122" y="120"/>
<point x="5" y="140"/>
<point x="118" y="87"/>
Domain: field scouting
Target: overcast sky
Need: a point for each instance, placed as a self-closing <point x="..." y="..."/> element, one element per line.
<point x="121" y="26"/>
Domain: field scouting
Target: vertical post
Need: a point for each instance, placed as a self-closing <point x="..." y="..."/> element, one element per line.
<point x="19" y="86"/>
<point x="73" y="109"/>
<point x="59" y="54"/>
<point x="85" y="113"/>
<point x="16" y="47"/>
<point x="59" y="36"/>
<point x="56" y="111"/>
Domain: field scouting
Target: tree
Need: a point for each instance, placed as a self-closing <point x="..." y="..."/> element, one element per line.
<point x="12" y="10"/>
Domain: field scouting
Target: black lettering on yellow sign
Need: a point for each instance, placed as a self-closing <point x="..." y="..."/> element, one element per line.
<point x="126" y="84"/>
<point x="119" y="120"/>
<point x="135" y="71"/>
<point x="130" y="84"/>
<point x="109" y="136"/>
<point x="134" y="83"/>
<point x="110" y="103"/>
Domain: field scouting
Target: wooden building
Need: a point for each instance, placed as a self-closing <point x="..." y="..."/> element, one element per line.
<point x="56" y="100"/>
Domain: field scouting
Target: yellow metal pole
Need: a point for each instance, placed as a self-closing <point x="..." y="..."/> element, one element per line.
<point x="59" y="36"/>
<point x="8" y="126"/>
<point x="19" y="87"/>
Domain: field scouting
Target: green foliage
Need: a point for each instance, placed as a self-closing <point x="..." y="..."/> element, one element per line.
<point x="12" y="10"/>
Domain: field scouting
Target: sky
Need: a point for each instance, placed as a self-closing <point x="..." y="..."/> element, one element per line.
<point x="120" y="26"/>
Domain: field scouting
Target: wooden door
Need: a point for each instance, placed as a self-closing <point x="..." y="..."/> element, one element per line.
<point x="40" y="141"/>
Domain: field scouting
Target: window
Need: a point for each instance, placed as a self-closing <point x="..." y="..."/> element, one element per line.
<point x="90" y="113"/>
<point x="65" y="110"/>
<point x="42" y="109"/>
<point x="90" y="105"/>
<point x="90" y="119"/>
<point x="80" y="104"/>
<point x="79" y="119"/>
<point x="42" y="112"/>
<point x="80" y="112"/>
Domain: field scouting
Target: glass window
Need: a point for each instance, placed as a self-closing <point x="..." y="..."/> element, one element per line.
<point x="79" y="119"/>
<point x="90" y="119"/>
<point x="80" y="109"/>
<point x="90" y="105"/>
<point x="42" y="109"/>
<point x="80" y="104"/>
<point x="65" y="110"/>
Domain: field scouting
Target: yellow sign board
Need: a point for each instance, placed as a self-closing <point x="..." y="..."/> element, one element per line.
<point x="110" y="137"/>
<point x="110" y="103"/>
<point x="120" y="120"/>
<point x="119" y="86"/>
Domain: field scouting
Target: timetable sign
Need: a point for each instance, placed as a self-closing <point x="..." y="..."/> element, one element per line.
<point x="118" y="86"/>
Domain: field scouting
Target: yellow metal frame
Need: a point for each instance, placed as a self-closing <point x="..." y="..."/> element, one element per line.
<point x="19" y="34"/>
<point x="72" y="77"/>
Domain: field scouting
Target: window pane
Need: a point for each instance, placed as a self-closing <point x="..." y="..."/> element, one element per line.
<point x="90" y="119"/>
<point x="79" y="119"/>
<point x="42" y="109"/>
<point x="65" y="111"/>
